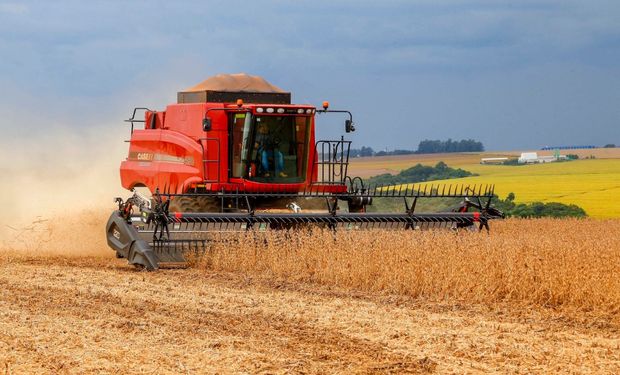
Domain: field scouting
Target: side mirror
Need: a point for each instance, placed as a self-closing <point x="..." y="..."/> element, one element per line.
<point x="349" y="126"/>
<point x="206" y="124"/>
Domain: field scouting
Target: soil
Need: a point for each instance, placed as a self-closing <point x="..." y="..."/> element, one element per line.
<point x="97" y="314"/>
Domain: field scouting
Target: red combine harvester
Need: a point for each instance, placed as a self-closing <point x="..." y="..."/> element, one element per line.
<point x="234" y="154"/>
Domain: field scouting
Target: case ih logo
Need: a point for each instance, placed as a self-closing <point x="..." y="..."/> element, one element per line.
<point x="147" y="156"/>
<point x="144" y="156"/>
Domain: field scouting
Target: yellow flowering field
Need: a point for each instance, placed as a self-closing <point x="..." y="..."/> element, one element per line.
<point x="593" y="184"/>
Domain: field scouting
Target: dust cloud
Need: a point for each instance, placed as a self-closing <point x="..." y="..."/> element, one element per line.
<point x="57" y="188"/>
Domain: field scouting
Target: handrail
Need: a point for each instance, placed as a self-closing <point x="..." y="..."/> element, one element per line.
<point x="334" y="168"/>
<point x="206" y="161"/>
<point x="132" y="119"/>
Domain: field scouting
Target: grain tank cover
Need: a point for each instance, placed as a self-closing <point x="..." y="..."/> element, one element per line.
<point x="227" y="88"/>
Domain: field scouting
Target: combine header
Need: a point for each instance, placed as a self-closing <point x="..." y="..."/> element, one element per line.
<point x="233" y="155"/>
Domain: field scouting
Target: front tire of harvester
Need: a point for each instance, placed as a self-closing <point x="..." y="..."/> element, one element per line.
<point x="194" y="204"/>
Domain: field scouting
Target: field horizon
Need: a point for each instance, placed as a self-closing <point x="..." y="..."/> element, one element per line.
<point x="592" y="183"/>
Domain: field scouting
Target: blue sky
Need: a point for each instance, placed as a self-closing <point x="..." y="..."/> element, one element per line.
<point x="512" y="74"/>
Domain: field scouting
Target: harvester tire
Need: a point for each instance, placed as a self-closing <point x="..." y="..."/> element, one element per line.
<point x="195" y="204"/>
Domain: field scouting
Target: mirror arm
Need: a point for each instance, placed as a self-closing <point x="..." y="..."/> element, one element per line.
<point x="349" y="125"/>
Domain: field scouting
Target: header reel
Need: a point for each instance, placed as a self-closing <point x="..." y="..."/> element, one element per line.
<point x="154" y="235"/>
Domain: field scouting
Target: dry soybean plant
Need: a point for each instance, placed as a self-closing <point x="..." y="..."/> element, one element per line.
<point x="547" y="262"/>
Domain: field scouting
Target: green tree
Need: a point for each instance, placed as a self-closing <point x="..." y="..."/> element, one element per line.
<point x="537" y="209"/>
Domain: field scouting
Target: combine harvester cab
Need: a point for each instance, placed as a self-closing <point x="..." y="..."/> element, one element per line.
<point x="233" y="155"/>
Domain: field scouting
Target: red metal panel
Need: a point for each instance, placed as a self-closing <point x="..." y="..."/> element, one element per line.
<point x="161" y="158"/>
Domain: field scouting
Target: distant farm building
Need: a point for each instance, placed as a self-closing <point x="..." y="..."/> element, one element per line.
<point x="528" y="157"/>
<point x="532" y="158"/>
<point x="493" y="160"/>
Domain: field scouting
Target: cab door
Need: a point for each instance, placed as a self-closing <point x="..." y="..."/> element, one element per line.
<point x="240" y="131"/>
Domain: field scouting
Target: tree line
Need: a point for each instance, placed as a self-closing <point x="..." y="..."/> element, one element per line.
<point x="464" y="145"/>
<point x="537" y="209"/>
<point x="419" y="173"/>
<point x="425" y="147"/>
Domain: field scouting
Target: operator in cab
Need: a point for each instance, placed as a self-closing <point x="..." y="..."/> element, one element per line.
<point x="267" y="147"/>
